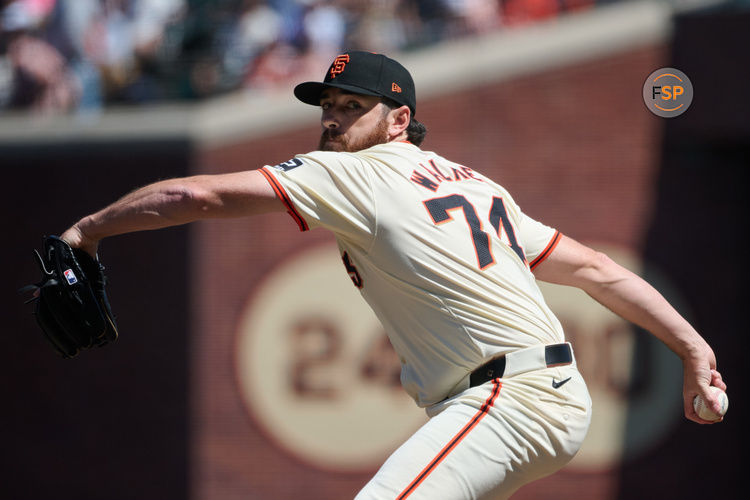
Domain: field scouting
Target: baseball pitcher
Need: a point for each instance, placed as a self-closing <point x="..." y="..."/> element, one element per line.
<point x="449" y="263"/>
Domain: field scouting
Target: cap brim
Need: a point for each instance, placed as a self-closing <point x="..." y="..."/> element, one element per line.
<point x="309" y="92"/>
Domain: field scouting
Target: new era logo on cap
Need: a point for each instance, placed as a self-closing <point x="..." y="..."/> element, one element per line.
<point x="363" y="73"/>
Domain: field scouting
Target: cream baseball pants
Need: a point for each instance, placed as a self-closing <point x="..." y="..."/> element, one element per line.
<point x="489" y="440"/>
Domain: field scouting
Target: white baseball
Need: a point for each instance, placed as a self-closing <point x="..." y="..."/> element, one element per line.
<point x="705" y="412"/>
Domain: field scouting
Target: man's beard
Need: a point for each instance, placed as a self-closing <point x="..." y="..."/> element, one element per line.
<point x="331" y="141"/>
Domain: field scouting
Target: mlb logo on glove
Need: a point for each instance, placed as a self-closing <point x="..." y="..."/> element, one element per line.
<point x="71" y="277"/>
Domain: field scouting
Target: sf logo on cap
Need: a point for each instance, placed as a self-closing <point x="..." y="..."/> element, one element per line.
<point x="339" y="64"/>
<point x="667" y="92"/>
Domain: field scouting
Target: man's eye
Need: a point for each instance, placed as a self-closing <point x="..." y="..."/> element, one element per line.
<point x="325" y="105"/>
<point x="354" y="105"/>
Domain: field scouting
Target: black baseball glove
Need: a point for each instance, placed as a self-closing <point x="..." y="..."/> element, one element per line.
<point x="71" y="304"/>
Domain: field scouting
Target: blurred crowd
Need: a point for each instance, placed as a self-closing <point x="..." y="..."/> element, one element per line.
<point x="81" y="55"/>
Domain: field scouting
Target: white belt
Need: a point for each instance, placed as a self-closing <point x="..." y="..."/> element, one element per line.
<point x="522" y="360"/>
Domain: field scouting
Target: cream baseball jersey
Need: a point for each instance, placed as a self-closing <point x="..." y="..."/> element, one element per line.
<point x="441" y="253"/>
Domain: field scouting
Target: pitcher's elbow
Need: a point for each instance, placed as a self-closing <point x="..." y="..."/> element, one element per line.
<point x="182" y="201"/>
<point x="605" y="271"/>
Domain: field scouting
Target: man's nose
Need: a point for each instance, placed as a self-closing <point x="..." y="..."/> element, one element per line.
<point x="329" y="120"/>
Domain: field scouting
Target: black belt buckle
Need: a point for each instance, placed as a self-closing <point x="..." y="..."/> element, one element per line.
<point x="558" y="355"/>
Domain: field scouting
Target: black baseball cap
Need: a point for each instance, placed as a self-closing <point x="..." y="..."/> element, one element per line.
<point x="363" y="73"/>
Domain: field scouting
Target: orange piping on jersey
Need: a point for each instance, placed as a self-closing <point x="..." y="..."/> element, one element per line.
<point x="551" y="246"/>
<point x="284" y="197"/>
<point x="484" y="410"/>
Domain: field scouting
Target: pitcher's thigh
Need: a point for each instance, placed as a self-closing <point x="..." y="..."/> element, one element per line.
<point x="475" y="448"/>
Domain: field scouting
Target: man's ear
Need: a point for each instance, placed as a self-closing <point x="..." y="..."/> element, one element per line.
<point x="399" y="119"/>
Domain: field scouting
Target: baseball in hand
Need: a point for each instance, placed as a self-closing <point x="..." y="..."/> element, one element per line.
<point x="705" y="412"/>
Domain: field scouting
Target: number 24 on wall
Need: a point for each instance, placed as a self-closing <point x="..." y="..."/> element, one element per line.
<point x="439" y="211"/>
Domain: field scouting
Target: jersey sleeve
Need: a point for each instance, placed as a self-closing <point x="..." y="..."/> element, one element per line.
<point x="329" y="190"/>
<point x="538" y="240"/>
